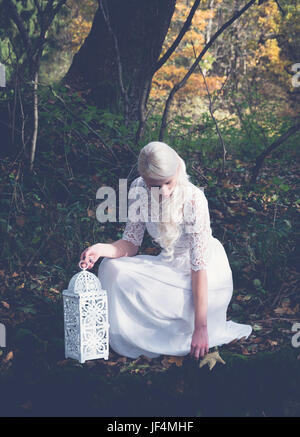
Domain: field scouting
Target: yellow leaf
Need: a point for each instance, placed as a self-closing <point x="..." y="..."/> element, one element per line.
<point x="272" y="342"/>
<point x="211" y="360"/>
<point x="20" y="286"/>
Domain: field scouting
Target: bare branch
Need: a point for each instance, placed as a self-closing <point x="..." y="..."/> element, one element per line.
<point x="48" y="8"/>
<point x="181" y="34"/>
<point x="55" y="11"/>
<point x="260" y="159"/>
<point x="212" y="113"/>
<point x="110" y="151"/>
<point x="38" y="6"/>
<point x="180" y="84"/>
<point x="35" y="120"/>
<point x="14" y="15"/>
<point x="283" y="12"/>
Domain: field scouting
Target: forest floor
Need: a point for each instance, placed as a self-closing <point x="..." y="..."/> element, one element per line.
<point x="260" y="376"/>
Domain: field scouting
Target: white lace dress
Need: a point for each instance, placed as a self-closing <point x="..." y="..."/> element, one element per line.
<point x="150" y="299"/>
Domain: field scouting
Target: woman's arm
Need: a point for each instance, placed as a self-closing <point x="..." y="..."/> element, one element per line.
<point x="116" y="249"/>
<point x="199" y="287"/>
<point x="128" y="245"/>
<point x="199" y="345"/>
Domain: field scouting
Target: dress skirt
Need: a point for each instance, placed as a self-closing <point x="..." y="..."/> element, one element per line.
<point x="151" y="305"/>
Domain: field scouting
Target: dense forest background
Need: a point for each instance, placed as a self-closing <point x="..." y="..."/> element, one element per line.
<point x="88" y="84"/>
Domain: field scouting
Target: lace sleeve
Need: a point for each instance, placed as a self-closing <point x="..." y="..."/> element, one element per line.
<point x="134" y="230"/>
<point x="198" y="230"/>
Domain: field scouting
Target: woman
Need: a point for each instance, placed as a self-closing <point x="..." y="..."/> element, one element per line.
<point x="174" y="303"/>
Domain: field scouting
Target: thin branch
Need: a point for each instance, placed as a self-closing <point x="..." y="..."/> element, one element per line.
<point x="260" y="159"/>
<point x="48" y="8"/>
<point x="283" y="12"/>
<point x="46" y="17"/>
<point x="180" y="84"/>
<point x="124" y="92"/>
<point x="212" y="113"/>
<point x="35" y="120"/>
<point x="84" y="123"/>
<point x="19" y="23"/>
<point x="57" y="8"/>
<point x="38" y="6"/>
<point x="181" y="34"/>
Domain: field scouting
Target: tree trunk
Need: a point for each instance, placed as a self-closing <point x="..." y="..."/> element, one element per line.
<point x="118" y="57"/>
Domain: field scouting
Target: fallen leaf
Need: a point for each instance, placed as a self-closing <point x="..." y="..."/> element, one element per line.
<point x="272" y="342"/>
<point x="54" y="290"/>
<point x="286" y="309"/>
<point x="166" y="363"/>
<point x="5" y="304"/>
<point x="218" y="213"/>
<point x="243" y="298"/>
<point x="91" y="213"/>
<point x="177" y="360"/>
<point x="8" y="357"/>
<point x="211" y="359"/>
<point x="247" y="297"/>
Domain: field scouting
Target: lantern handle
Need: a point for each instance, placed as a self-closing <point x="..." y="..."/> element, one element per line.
<point x="80" y="266"/>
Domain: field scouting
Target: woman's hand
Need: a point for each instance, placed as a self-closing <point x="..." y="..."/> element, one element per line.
<point x="90" y="256"/>
<point x="199" y="345"/>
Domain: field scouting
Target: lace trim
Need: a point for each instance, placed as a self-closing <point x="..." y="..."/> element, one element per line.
<point x="198" y="229"/>
<point x="134" y="231"/>
<point x="196" y="226"/>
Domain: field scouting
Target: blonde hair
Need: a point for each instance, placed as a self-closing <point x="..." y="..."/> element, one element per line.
<point x="159" y="161"/>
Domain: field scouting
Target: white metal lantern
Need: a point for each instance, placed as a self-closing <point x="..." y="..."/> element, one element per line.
<point x="85" y="318"/>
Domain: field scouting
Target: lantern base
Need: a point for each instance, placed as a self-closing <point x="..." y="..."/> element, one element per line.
<point x="82" y="360"/>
